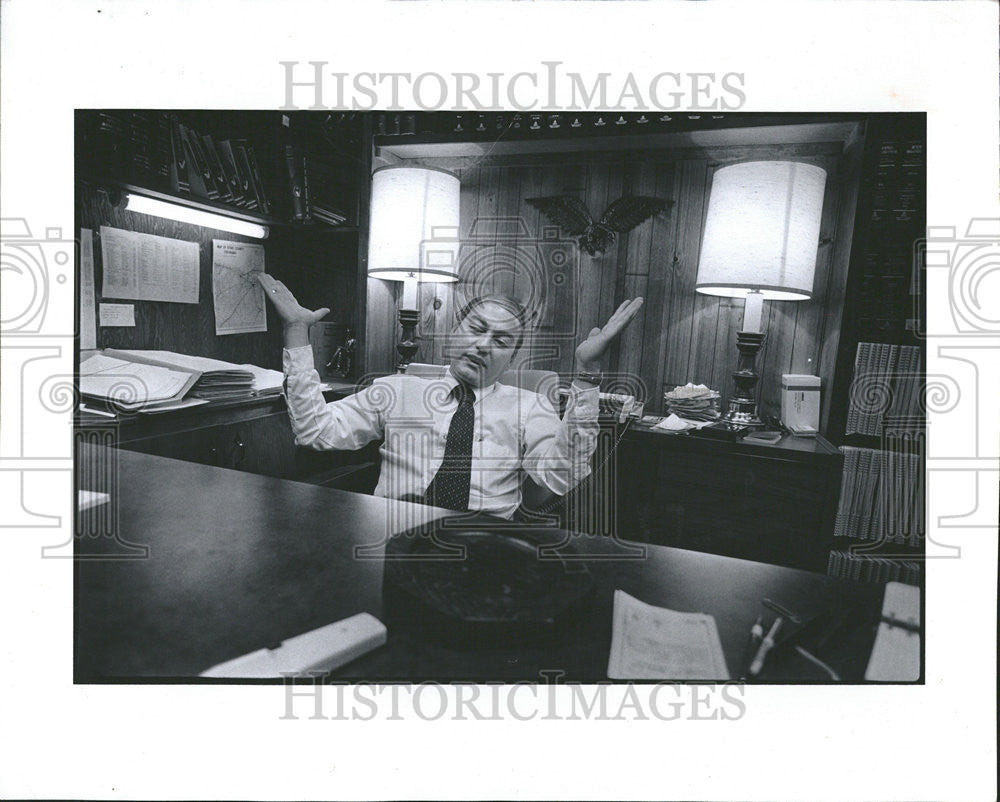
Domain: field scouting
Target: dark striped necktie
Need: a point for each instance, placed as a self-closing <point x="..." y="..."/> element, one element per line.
<point x="450" y="486"/>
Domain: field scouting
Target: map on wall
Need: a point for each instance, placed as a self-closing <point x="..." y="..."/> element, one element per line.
<point x="238" y="296"/>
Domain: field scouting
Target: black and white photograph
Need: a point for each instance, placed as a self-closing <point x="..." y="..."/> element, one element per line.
<point x="500" y="399"/>
<point x="655" y="381"/>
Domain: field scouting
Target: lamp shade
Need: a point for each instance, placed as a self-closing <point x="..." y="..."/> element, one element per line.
<point x="762" y="230"/>
<point x="413" y="232"/>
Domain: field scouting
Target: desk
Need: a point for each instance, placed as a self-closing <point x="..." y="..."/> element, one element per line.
<point x="237" y="561"/>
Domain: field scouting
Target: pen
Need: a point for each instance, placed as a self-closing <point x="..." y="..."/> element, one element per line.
<point x="756" y="632"/>
<point x="765" y="647"/>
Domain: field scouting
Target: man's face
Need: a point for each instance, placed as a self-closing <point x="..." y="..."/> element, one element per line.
<point x="483" y="344"/>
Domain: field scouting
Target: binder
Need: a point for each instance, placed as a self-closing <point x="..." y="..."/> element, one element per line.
<point x="232" y="175"/>
<point x="243" y="171"/>
<point x="178" y="158"/>
<point x="215" y="164"/>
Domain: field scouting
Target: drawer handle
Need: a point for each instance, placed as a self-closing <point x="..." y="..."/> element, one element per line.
<point x="239" y="451"/>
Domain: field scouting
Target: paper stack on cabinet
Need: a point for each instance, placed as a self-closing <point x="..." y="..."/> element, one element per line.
<point x="130" y="385"/>
<point x="220" y="381"/>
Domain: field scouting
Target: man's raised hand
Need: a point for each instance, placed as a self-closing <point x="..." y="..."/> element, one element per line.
<point x="591" y="351"/>
<point x="295" y="318"/>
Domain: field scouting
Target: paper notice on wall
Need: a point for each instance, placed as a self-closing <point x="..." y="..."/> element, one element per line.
<point x="117" y="315"/>
<point x="238" y="296"/>
<point x="145" y="267"/>
<point x="88" y="309"/>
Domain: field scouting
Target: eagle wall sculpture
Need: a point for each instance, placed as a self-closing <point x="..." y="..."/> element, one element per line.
<point x="620" y="217"/>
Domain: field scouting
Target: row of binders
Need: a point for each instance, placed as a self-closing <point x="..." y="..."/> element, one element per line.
<point x="888" y="385"/>
<point x="225" y="170"/>
<point x="869" y="568"/>
<point x="881" y="497"/>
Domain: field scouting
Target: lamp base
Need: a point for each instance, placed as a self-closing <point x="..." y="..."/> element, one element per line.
<point x="740" y="415"/>
<point x="408" y="345"/>
<point x="743" y="404"/>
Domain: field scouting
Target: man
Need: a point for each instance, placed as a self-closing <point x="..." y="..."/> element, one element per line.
<point x="462" y="441"/>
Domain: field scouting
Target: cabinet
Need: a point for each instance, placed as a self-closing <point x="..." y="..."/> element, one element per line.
<point x="770" y="503"/>
<point x="251" y="436"/>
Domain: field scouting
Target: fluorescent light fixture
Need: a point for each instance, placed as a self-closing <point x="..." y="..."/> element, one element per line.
<point x="185" y="214"/>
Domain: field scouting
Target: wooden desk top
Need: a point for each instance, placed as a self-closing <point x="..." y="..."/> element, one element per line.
<point x="238" y="561"/>
<point x="788" y="447"/>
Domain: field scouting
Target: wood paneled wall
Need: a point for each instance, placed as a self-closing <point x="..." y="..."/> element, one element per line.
<point x="680" y="335"/>
<point x="319" y="266"/>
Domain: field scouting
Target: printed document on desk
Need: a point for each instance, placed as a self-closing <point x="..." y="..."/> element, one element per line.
<point x="650" y="642"/>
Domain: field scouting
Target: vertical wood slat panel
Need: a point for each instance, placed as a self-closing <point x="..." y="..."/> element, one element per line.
<point x="614" y="262"/>
<point x="847" y="189"/>
<point x="551" y="180"/>
<point x="592" y="268"/>
<point x="707" y="308"/>
<point x="633" y="278"/>
<point x="679" y="315"/>
<point x="660" y="299"/>
<point x="563" y="302"/>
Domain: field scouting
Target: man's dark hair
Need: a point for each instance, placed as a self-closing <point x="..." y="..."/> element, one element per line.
<point x="512" y="305"/>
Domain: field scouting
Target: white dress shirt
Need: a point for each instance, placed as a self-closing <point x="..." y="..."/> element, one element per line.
<point x="516" y="430"/>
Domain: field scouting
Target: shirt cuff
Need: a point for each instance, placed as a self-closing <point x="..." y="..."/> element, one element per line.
<point x="584" y="396"/>
<point x="297" y="360"/>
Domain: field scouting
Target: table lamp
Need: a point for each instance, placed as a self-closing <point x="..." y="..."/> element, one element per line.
<point x="412" y="237"/>
<point x="761" y="236"/>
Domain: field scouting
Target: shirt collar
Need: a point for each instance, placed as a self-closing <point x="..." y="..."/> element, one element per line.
<point x="481" y="392"/>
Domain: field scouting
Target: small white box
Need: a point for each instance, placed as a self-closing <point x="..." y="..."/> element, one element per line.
<point x="800" y="396"/>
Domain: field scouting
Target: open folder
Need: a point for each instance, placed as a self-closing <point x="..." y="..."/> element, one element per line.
<point x="132" y="384"/>
<point x="218" y="380"/>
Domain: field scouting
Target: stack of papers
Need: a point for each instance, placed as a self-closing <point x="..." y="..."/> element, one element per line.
<point x="672" y="423"/>
<point x="692" y="401"/>
<point x="220" y="381"/>
<point x="130" y="385"/>
<point x="650" y="642"/>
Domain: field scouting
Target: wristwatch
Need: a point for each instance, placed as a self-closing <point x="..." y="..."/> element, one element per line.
<point x="590" y="378"/>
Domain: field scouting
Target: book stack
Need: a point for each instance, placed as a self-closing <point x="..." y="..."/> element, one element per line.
<point x="869" y="568"/>
<point x="881" y="497"/>
<point x="881" y="503"/>
<point x="887" y="385"/>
